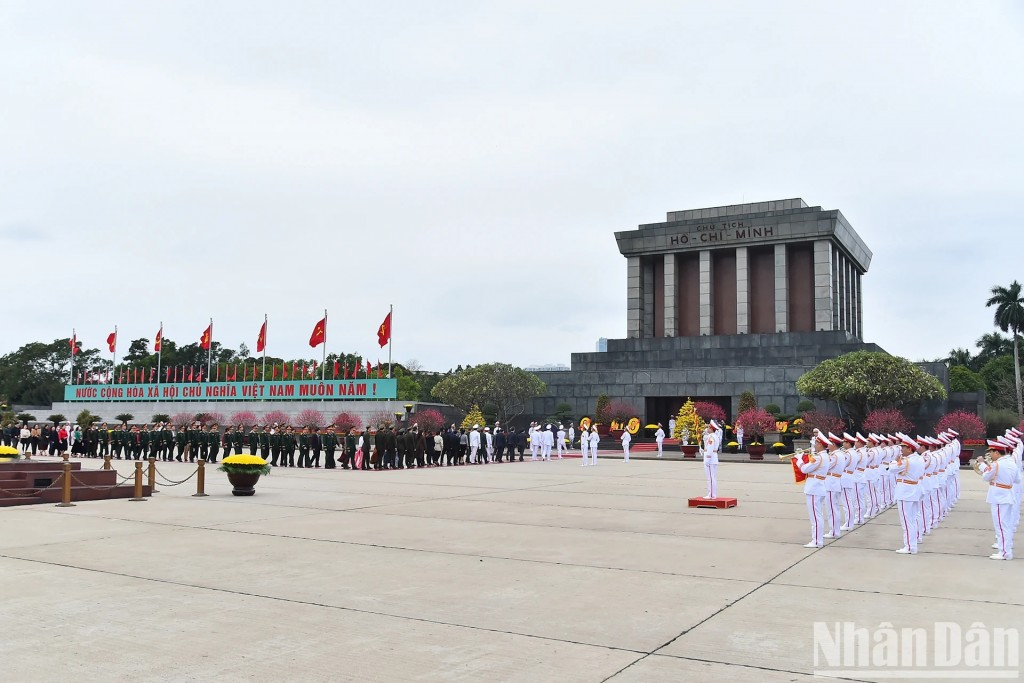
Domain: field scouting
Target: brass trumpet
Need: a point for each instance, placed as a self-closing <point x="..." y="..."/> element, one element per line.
<point x="798" y="454"/>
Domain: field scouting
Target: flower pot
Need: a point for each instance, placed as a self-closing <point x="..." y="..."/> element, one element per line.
<point x="243" y="483"/>
<point x="689" y="450"/>
<point x="965" y="456"/>
<point x="756" y="452"/>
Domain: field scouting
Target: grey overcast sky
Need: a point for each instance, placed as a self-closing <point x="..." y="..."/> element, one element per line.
<point x="468" y="162"/>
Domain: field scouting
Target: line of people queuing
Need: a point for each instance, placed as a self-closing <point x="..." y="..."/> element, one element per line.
<point x="287" y="446"/>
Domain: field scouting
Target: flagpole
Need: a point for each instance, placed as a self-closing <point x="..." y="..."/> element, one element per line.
<point x="159" y="358"/>
<point x="264" y="375"/>
<point x="74" y="340"/>
<point x="391" y="335"/>
<point x="323" y="363"/>
<point x="209" y="353"/>
<point x="114" y="358"/>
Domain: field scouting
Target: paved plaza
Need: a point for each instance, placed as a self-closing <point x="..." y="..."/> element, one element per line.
<point x="507" y="572"/>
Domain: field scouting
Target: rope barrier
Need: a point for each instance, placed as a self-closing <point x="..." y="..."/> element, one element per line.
<point x="171" y="482"/>
<point x="35" y="492"/>
<point x="94" y="488"/>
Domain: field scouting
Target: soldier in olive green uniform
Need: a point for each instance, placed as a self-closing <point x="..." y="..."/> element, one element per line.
<point x="304" y="448"/>
<point x="181" y="438"/>
<point x="254" y="440"/>
<point x="330" y="444"/>
<point x="213" y="442"/>
<point x="104" y="439"/>
<point x="276" y="440"/>
<point x="348" y="459"/>
<point x="288" y="447"/>
<point x="168" y="442"/>
<point x="264" y="441"/>
<point x="228" y="440"/>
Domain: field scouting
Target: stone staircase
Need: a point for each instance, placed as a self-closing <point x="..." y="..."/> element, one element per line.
<point x="28" y="482"/>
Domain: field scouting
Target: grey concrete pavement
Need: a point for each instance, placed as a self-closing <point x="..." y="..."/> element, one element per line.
<point x="524" y="572"/>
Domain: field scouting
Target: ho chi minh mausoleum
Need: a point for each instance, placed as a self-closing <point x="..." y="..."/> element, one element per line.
<point x="723" y="300"/>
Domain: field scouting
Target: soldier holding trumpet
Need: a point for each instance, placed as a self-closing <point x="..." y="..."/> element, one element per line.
<point x="1001" y="479"/>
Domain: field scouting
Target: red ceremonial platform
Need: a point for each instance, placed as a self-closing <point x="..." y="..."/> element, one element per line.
<point x="27" y="482"/>
<point x="718" y="503"/>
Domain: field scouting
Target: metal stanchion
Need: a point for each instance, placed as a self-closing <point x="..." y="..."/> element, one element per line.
<point x="65" y="501"/>
<point x="138" y="482"/>
<point x="65" y="456"/>
<point x="106" y="462"/>
<point x="200" y="479"/>
<point x="152" y="475"/>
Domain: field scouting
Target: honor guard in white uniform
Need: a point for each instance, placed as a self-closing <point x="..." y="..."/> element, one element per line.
<point x="824" y="448"/>
<point x="474" y="443"/>
<point x="659" y="438"/>
<point x="710" y="443"/>
<point x="585" y="446"/>
<point x="625" y="439"/>
<point x="816" y="468"/>
<point x="595" y="440"/>
<point x="908" y="468"/>
<point x="1001" y="477"/>
<point x="847" y="479"/>
<point x="547" y="442"/>
<point x="535" y="440"/>
<point x="560" y="441"/>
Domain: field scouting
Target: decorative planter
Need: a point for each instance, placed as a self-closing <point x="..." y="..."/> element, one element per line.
<point x="966" y="454"/>
<point x="602" y="430"/>
<point x="756" y="452"/>
<point x="243" y="483"/>
<point x="689" y="450"/>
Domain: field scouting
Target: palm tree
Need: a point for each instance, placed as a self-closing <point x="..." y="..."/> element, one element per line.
<point x="1010" y="317"/>
<point x="960" y="357"/>
<point x="992" y="345"/>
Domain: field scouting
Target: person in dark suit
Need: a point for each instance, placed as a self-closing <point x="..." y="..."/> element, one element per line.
<point x="349" y="458"/>
<point x="315" y="446"/>
<point x="329" y="440"/>
<point x="304" y="447"/>
<point x="367" y="447"/>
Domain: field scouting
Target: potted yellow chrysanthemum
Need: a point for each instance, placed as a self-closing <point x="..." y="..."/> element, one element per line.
<point x="243" y="472"/>
<point x="8" y="454"/>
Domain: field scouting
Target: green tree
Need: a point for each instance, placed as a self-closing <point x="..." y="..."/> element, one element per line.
<point x="36" y="373"/>
<point x="1009" y="317"/>
<point x="961" y="357"/>
<point x="601" y="408"/>
<point x="962" y="378"/>
<point x="747" y="402"/>
<point x="865" y="380"/>
<point x="160" y="417"/>
<point x="991" y="345"/>
<point x="56" y="419"/>
<point x="474" y="417"/>
<point x="505" y="387"/>
<point x="1000" y="386"/>
<point x="126" y="417"/>
<point x="26" y="417"/>
<point x="86" y="419"/>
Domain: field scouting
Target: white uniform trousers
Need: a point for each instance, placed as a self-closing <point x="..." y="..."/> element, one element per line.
<point x="1003" y="524"/>
<point x="849" y="503"/>
<point x="814" y="503"/>
<point x="625" y="452"/>
<point x="863" y="502"/>
<point x="910" y="517"/>
<point x="660" y="445"/>
<point x="711" y="473"/>
<point x="832" y="505"/>
<point x="585" y="449"/>
<point x="472" y="453"/>
<point x="561" y="448"/>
